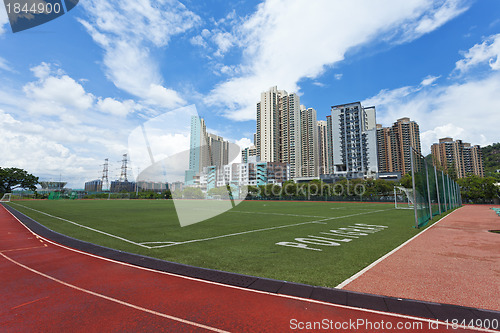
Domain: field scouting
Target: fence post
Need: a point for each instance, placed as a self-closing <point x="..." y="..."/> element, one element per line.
<point x="414" y="189"/>
<point x="437" y="190"/>
<point x="428" y="188"/>
<point x="444" y="192"/>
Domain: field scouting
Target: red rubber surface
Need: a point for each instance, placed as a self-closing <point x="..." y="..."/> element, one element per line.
<point x="456" y="261"/>
<point x="46" y="287"/>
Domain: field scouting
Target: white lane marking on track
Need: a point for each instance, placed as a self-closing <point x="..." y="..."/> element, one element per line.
<point x="160" y="314"/>
<point x="367" y="268"/>
<point x="266" y="229"/>
<point x="24" y="248"/>
<point x="389" y="314"/>
<point x="84" y="226"/>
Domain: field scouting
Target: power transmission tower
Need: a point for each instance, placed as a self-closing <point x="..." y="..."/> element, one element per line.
<point x="123" y="175"/>
<point x="105" y="179"/>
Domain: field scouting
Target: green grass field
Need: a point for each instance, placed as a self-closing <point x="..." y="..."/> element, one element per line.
<point x="243" y="239"/>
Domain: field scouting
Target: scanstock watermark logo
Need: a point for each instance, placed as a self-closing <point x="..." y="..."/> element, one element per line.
<point x="171" y="147"/>
<point x="26" y="14"/>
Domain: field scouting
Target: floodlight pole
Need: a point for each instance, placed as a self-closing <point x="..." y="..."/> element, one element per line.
<point x="437" y="189"/>
<point x="444" y="192"/>
<point x="428" y="188"/>
<point x="413" y="185"/>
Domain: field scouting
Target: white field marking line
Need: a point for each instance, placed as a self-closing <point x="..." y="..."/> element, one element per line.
<point x="84" y="226"/>
<point x="367" y="268"/>
<point x="389" y="314"/>
<point x="261" y="213"/>
<point x="266" y="229"/>
<point x="140" y="308"/>
<point x="353" y="208"/>
<point x="156" y="242"/>
<point x="269" y="213"/>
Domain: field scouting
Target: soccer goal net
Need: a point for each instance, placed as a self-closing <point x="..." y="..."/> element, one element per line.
<point x="403" y="197"/>
<point x="6" y="197"/>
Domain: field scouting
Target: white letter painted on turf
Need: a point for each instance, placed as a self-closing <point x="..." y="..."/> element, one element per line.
<point x="316" y="241"/>
<point x="298" y="245"/>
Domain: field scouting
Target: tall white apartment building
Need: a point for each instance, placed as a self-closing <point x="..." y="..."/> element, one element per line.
<point x="354" y="140"/>
<point x="279" y="128"/>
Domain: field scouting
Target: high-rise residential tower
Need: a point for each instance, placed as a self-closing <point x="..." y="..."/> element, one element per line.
<point x="322" y="147"/>
<point x="309" y="165"/>
<point x="394" y="145"/>
<point x="278" y="128"/>
<point x="464" y="158"/>
<point x="353" y="140"/>
<point x="205" y="149"/>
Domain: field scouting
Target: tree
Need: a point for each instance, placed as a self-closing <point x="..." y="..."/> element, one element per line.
<point x="220" y="191"/>
<point x="406" y="181"/>
<point x="15" y="178"/>
<point x="477" y="189"/>
<point x="193" y="193"/>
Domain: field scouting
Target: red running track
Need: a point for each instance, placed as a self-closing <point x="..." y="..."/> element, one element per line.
<point x="47" y="287"/>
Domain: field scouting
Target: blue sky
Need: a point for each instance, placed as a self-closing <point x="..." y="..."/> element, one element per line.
<point x="74" y="89"/>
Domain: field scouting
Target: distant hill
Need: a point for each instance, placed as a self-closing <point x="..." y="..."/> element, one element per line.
<point x="491" y="159"/>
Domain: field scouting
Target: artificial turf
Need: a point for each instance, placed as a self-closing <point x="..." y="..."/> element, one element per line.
<point x="248" y="251"/>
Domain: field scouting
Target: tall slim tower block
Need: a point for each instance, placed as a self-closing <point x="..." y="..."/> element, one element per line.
<point x="278" y="128"/>
<point x="309" y="166"/>
<point x="323" y="147"/>
<point x="205" y="149"/>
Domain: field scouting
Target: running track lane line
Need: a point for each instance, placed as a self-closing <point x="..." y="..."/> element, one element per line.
<point x="367" y="268"/>
<point x="184" y="321"/>
<point x="345" y="307"/>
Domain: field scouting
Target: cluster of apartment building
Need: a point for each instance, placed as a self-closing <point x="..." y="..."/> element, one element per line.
<point x="291" y="143"/>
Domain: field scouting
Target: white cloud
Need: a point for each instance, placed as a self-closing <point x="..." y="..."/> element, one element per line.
<point x="445" y="11"/>
<point x="113" y="107"/>
<point x="4" y="20"/>
<point x="429" y="80"/>
<point x="198" y="40"/>
<point x="55" y="94"/>
<point x="161" y="96"/>
<point x="53" y="126"/>
<point x="41" y="154"/>
<point x="338" y="76"/>
<point x="461" y="110"/>
<point x="224" y="41"/>
<point x="285" y="41"/>
<point x="244" y="143"/>
<point x="487" y="51"/>
<point x="4" y="65"/>
<point x="41" y="71"/>
<point x="127" y="30"/>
